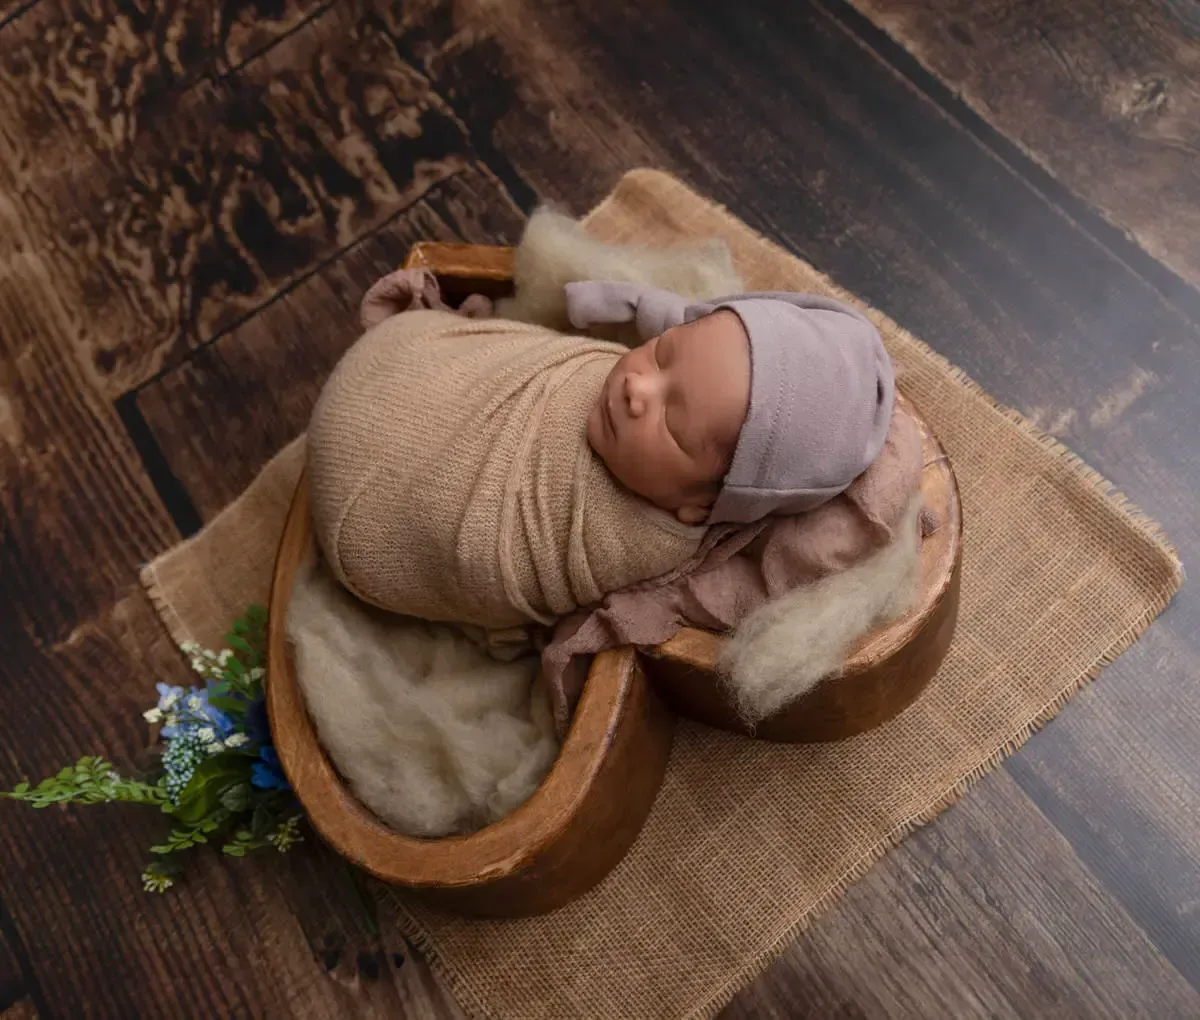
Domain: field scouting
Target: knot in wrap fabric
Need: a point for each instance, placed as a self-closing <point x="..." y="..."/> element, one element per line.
<point x="452" y="480"/>
<point x="821" y="392"/>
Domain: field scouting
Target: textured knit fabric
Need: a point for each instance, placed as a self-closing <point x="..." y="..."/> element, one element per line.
<point x="821" y="392"/>
<point x="452" y="479"/>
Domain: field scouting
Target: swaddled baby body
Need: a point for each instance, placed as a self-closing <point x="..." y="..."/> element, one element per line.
<point x="496" y="473"/>
<point x="452" y="480"/>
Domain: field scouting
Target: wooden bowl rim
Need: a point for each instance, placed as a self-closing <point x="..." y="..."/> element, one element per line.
<point x="493" y="852"/>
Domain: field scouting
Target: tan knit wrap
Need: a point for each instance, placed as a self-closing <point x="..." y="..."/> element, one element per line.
<point x="452" y="480"/>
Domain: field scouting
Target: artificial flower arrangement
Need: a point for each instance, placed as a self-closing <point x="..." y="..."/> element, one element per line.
<point x="219" y="777"/>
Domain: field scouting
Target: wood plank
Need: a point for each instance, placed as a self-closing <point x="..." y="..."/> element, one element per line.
<point x="177" y="218"/>
<point x="78" y="512"/>
<point x="1104" y="95"/>
<point x="1121" y="784"/>
<point x="988" y="913"/>
<point x="62" y="58"/>
<point x="12" y="9"/>
<point x="241" y="399"/>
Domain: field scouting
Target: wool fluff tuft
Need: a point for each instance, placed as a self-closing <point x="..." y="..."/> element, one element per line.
<point x="556" y="250"/>
<point x="431" y="733"/>
<point x="787" y="646"/>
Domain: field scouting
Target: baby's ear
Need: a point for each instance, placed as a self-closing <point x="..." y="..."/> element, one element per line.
<point x="692" y="514"/>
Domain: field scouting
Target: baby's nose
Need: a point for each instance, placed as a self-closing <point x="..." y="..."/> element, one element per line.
<point x="638" y="391"/>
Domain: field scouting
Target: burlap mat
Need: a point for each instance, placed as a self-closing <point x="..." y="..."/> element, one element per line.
<point x="747" y="841"/>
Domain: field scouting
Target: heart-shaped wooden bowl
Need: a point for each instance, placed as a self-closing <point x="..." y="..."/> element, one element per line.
<point x="590" y="808"/>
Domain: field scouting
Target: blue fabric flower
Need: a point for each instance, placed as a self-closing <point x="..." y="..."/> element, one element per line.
<point x="188" y="712"/>
<point x="267" y="773"/>
<point x="168" y="696"/>
<point x="214" y="717"/>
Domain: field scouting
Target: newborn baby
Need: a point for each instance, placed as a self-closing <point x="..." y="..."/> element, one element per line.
<point x="738" y="408"/>
<point x="497" y="473"/>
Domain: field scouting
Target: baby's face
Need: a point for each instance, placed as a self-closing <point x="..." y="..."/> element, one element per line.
<point x="670" y="413"/>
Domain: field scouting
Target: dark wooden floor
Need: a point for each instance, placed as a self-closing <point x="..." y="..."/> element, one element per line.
<point x="193" y="196"/>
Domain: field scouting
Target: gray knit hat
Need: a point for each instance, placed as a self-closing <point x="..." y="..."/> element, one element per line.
<point x="821" y="392"/>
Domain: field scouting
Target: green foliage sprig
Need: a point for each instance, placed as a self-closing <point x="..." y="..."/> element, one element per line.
<point x="219" y="779"/>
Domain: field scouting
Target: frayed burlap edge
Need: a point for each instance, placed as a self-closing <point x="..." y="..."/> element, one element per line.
<point x="148" y="578"/>
<point x="1105" y="492"/>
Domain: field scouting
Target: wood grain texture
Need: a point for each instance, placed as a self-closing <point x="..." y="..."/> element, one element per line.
<point x="12" y="981"/>
<point x="12" y="9"/>
<point x="987" y="913"/>
<point x="1106" y="95"/>
<point x="175" y="219"/>
<point x="68" y="555"/>
<point x="23" y="1010"/>
<point x="241" y="399"/>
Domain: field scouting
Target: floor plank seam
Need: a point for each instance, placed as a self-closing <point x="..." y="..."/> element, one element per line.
<point x="1147" y="915"/>
<point x="1173" y="289"/>
<point x="172" y="493"/>
<point x="12" y="16"/>
<point x="172" y="364"/>
<point x="222" y="75"/>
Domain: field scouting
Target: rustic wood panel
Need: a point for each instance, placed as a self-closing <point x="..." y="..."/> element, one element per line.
<point x="76" y="508"/>
<point x="241" y="399"/>
<point x="23" y="1010"/>
<point x="1105" y="94"/>
<point x="177" y="218"/>
<point x="1040" y="937"/>
<point x="10" y="9"/>
<point x="1120" y="783"/>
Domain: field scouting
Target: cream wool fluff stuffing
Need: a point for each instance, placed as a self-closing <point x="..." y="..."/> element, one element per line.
<point x="431" y="734"/>
<point x="790" y="644"/>
<point x="555" y="250"/>
<point x="438" y="738"/>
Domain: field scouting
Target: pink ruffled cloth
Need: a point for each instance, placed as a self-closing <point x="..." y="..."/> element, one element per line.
<point x="737" y="567"/>
<point x="406" y="289"/>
